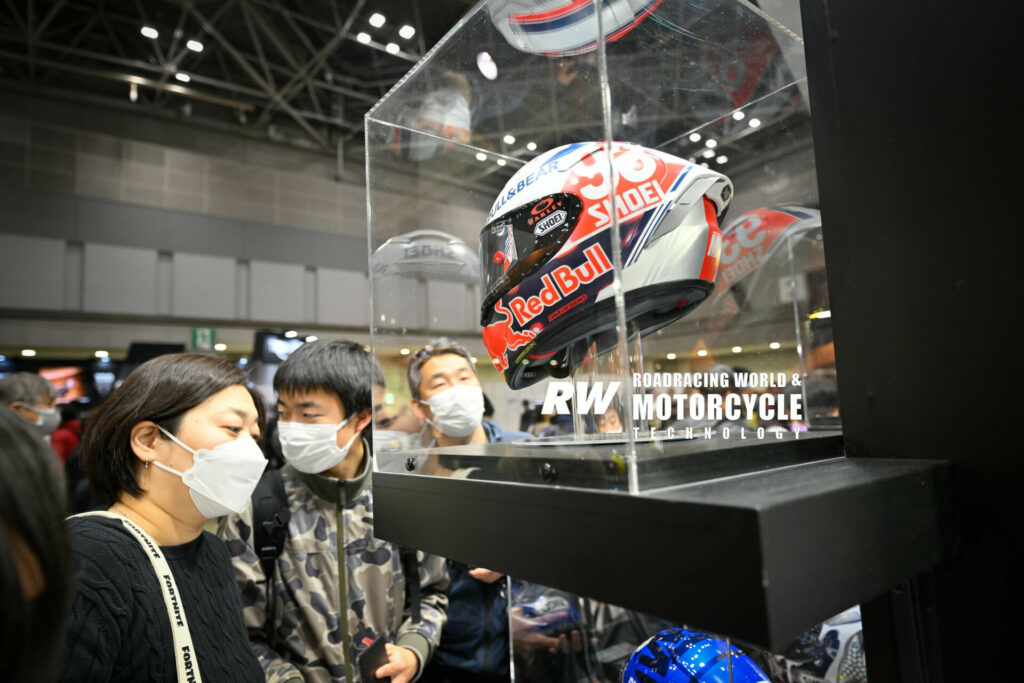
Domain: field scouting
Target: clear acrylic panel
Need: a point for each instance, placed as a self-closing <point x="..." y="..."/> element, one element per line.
<point x="633" y="362"/>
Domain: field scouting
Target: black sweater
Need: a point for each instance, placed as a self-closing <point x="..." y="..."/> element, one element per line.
<point x="119" y="628"/>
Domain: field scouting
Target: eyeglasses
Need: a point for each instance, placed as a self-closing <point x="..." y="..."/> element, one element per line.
<point x="428" y="352"/>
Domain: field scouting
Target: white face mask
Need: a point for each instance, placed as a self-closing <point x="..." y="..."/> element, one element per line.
<point x="221" y="479"/>
<point x="313" y="448"/>
<point x="47" y="419"/>
<point x="458" y="410"/>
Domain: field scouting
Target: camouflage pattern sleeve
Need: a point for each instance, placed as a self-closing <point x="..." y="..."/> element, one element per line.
<point x="236" y="530"/>
<point x="426" y="634"/>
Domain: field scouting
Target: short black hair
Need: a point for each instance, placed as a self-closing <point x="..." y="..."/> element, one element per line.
<point x="31" y="515"/>
<point x="338" y="366"/>
<point x="160" y="390"/>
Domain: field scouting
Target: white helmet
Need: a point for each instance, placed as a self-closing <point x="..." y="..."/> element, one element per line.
<point x="564" y="27"/>
<point x="545" y="253"/>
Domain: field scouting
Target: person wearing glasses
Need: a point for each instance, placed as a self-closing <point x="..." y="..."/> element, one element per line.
<point x="447" y="395"/>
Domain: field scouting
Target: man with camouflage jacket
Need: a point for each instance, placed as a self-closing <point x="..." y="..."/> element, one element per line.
<point x="324" y="397"/>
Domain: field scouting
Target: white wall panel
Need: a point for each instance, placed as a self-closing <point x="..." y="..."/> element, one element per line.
<point x="119" y="280"/>
<point x="31" y="272"/>
<point x="203" y="286"/>
<point x="342" y="297"/>
<point x="276" y="292"/>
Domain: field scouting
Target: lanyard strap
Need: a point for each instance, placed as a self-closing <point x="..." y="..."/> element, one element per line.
<point x="184" y="652"/>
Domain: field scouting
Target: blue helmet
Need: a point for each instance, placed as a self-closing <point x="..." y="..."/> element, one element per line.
<point x="679" y="656"/>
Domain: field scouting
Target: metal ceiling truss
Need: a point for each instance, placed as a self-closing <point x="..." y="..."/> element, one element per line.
<point x="269" y="62"/>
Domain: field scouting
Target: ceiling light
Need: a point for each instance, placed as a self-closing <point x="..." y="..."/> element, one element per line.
<point x="291" y="334"/>
<point x="243" y="360"/>
<point x="670" y="356"/>
<point x="708" y="153"/>
<point x="501" y="162"/>
<point x="754" y="123"/>
<point x="531" y="146"/>
<point x="480" y="156"/>
<point x="183" y="77"/>
<point x="28" y="353"/>
<point x="704" y="164"/>
<point x="101" y="354"/>
<point x="363" y="37"/>
<point x="312" y="338"/>
<point x="194" y="45"/>
<point x="487" y="67"/>
<point x="392" y="48"/>
<point x="737" y="349"/>
<point x="404" y="352"/>
<point x="694" y="137"/>
<point x="711" y="143"/>
<point x="509" y="139"/>
<point x="220" y="347"/>
<point x="722" y="159"/>
<point x="474" y="359"/>
<point x="738" y="115"/>
<point x="775" y="346"/>
<point x="150" y="32"/>
<point x="407" y="32"/>
<point x="133" y="92"/>
<point x="377" y="20"/>
<point x="820" y="315"/>
<point x="702" y="353"/>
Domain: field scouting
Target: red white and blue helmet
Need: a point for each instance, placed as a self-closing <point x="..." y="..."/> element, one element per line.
<point x="555" y="28"/>
<point x="677" y="655"/>
<point x="546" y="259"/>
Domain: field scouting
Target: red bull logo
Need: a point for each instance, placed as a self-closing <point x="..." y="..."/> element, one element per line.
<point x="560" y="283"/>
<point x="499" y="338"/>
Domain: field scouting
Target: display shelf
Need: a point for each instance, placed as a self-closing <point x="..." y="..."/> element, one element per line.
<point x="759" y="556"/>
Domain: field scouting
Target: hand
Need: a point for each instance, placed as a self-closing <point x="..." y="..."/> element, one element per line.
<point x="402" y="664"/>
<point x="485" y="575"/>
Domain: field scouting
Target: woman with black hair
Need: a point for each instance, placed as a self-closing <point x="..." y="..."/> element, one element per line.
<point x="173" y="446"/>
<point x="33" y="554"/>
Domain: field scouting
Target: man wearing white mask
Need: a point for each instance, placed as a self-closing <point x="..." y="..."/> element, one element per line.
<point x="335" y="587"/>
<point x="32" y="397"/>
<point x="447" y="394"/>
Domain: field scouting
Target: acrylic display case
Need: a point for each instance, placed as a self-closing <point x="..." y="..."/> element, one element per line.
<point x="610" y="206"/>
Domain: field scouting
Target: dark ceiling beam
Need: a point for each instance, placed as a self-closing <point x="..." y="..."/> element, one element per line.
<point x="17" y="16"/>
<point x="191" y="93"/>
<point x="258" y="44"/>
<point x="255" y="76"/>
<point x="304" y="75"/>
<point x="42" y="25"/>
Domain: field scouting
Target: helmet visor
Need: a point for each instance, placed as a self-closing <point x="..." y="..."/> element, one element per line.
<point x="517" y="244"/>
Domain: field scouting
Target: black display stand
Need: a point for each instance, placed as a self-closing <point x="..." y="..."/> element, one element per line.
<point x="758" y="556"/>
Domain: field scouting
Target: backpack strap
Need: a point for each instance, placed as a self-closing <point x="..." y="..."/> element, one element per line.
<point x="411" y="569"/>
<point x="270" y="517"/>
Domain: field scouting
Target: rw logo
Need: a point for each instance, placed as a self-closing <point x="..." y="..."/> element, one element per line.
<point x="586" y="397"/>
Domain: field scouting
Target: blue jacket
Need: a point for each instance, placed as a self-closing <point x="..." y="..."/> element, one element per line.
<point x="475" y="637"/>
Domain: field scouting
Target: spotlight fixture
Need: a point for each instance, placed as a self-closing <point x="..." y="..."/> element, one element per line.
<point x="738" y="115"/>
<point x="28" y="353"/>
<point x="377" y="20"/>
<point x="194" y="45"/>
<point x="291" y="334"/>
<point x="487" y="67"/>
<point x="531" y="146"/>
<point x="754" y="123"/>
<point x="775" y="346"/>
<point x="407" y="32"/>
<point x="670" y="356"/>
<point x="133" y="92"/>
<point x="363" y="37"/>
<point x="480" y="156"/>
<point x="694" y="137"/>
<point x="722" y="159"/>
<point x="711" y="143"/>
<point x="150" y="32"/>
<point x="392" y="48"/>
<point x="708" y="153"/>
<point x="737" y="349"/>
<point x="183" y="77"/>
<point x="102" y="354"/>
<point x="702" y="353"/>
<point x="404" y="351"/>
<point x="509" y="139"/>
<point x="220" y="347"/>
<point x="311" y="338"/>
<point x="501" y="162"/>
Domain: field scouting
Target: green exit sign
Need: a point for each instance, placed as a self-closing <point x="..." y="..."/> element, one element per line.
<point x="203" y="338"/>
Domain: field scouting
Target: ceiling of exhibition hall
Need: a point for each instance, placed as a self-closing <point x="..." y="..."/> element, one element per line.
<point x="300" y="71"/>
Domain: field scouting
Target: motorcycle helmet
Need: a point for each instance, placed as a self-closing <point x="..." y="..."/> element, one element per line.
<point x="555" y="28"/>
<point x="546" y="259"/>
<point x="677" y="655"/>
